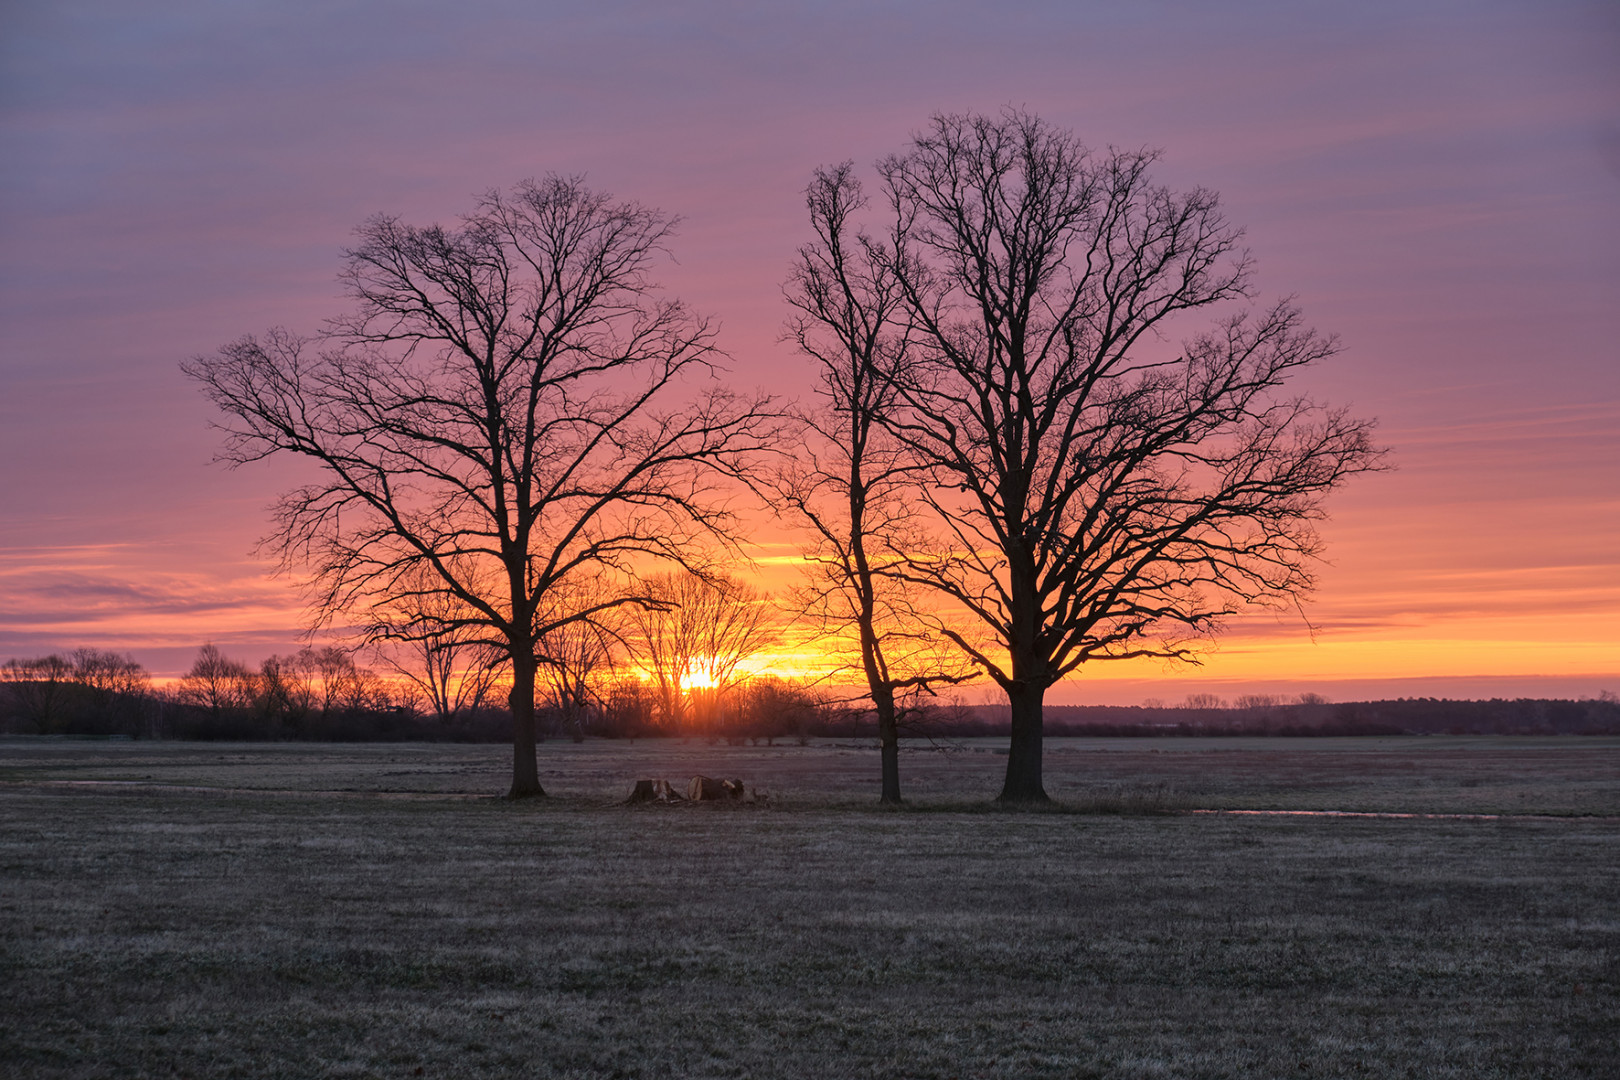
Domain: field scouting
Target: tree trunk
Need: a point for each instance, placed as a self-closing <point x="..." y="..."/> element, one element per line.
<point x="1023" y="783"/>
<point x="889" y="740"/>
<point x="525" y="768"/>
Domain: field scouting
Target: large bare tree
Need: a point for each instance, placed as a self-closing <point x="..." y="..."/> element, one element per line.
<point x="507" y="409"/>
<point x="1106" y="494"/>
<point x="849" y="485"/>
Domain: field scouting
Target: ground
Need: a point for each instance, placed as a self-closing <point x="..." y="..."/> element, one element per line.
<point x="294" y="910"/>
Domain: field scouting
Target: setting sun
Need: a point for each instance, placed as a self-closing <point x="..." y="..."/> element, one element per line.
<point x="698" y="679"/>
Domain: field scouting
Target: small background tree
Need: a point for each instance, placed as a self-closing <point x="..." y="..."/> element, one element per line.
<point x="217" y="684"/>
<point x="691" y="634"/>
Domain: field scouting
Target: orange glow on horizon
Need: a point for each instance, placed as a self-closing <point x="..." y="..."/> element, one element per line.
<point x="1373" y="622"/>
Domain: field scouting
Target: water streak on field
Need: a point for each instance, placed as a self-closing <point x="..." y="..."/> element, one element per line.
<point x="1397" y="815"/>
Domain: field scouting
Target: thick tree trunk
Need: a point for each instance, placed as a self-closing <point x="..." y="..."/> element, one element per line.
<point x="525" y="768"/>
<point x="889" y="741"/>
<point x="1026" y="690"/>
<point x="1023" y="783"/>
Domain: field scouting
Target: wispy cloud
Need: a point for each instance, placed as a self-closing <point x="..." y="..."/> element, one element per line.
<point x="132" y="594"/>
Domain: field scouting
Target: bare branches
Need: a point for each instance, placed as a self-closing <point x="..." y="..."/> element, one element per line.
<point x="1105" y="497"/>
<point x="691" y="633"/>
<point x="494" y="422"/>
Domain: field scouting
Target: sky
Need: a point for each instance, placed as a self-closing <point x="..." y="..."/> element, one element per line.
<point x="1436" y="183"/>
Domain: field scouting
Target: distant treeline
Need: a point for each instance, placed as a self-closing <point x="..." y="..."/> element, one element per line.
<point x="316" y="694"/>
<point x="323" y="695"/>
<point x="1404" y="716"/>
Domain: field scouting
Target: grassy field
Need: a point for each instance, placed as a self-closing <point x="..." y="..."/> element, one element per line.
<point x="295" y="910"/>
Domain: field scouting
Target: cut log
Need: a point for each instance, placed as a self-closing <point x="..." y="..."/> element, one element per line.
<point x="660" y="791"/>
<point x="708" y="789"/>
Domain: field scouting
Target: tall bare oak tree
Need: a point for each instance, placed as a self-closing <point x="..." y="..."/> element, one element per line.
<point x="495" y="420"/>
<point x="1106" y="495"/>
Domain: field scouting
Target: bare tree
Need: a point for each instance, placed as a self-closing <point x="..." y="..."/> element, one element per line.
<point x="1106" y="495"/>
<point x="433" y="642"/>
<point x="108" y="674"/>
<point x="628" y="706"/>
<point x="116" y="686"/>
<point x="692" y="634"/>
<point x="217" y="683"/>
<point x="455" y="669"/>
<point x="493" y="421"/>
<point x="575" y="655"/>
<point x="849" y="485"/>
<point x="39" y="689"/>
<point x="284" y="691"/>
<point x="333" y="680"/>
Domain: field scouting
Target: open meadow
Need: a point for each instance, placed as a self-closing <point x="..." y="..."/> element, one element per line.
<point x="213" y="910"/>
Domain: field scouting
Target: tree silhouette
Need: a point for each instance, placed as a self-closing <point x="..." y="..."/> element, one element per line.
<point x="217" y="683"/>
<point x="1104" y="495"/>
<point x="39" y="688"/>
<point x="575" y="657"/>
<point x="495" y="419"/>
<point x="849" y="486"/>
<point x="692" y="633"/>
<point x="431" y="638"/>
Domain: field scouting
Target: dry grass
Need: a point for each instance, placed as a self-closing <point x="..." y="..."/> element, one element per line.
<point x="1489" y="775"/>
<point x="152" y="932"/>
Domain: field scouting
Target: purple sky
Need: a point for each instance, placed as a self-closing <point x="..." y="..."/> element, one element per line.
<point x="1439" y="183"/>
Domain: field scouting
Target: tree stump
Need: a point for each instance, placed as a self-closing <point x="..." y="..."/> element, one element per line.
<point x="660" y="791"/>
<point x="708" y="789"/>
